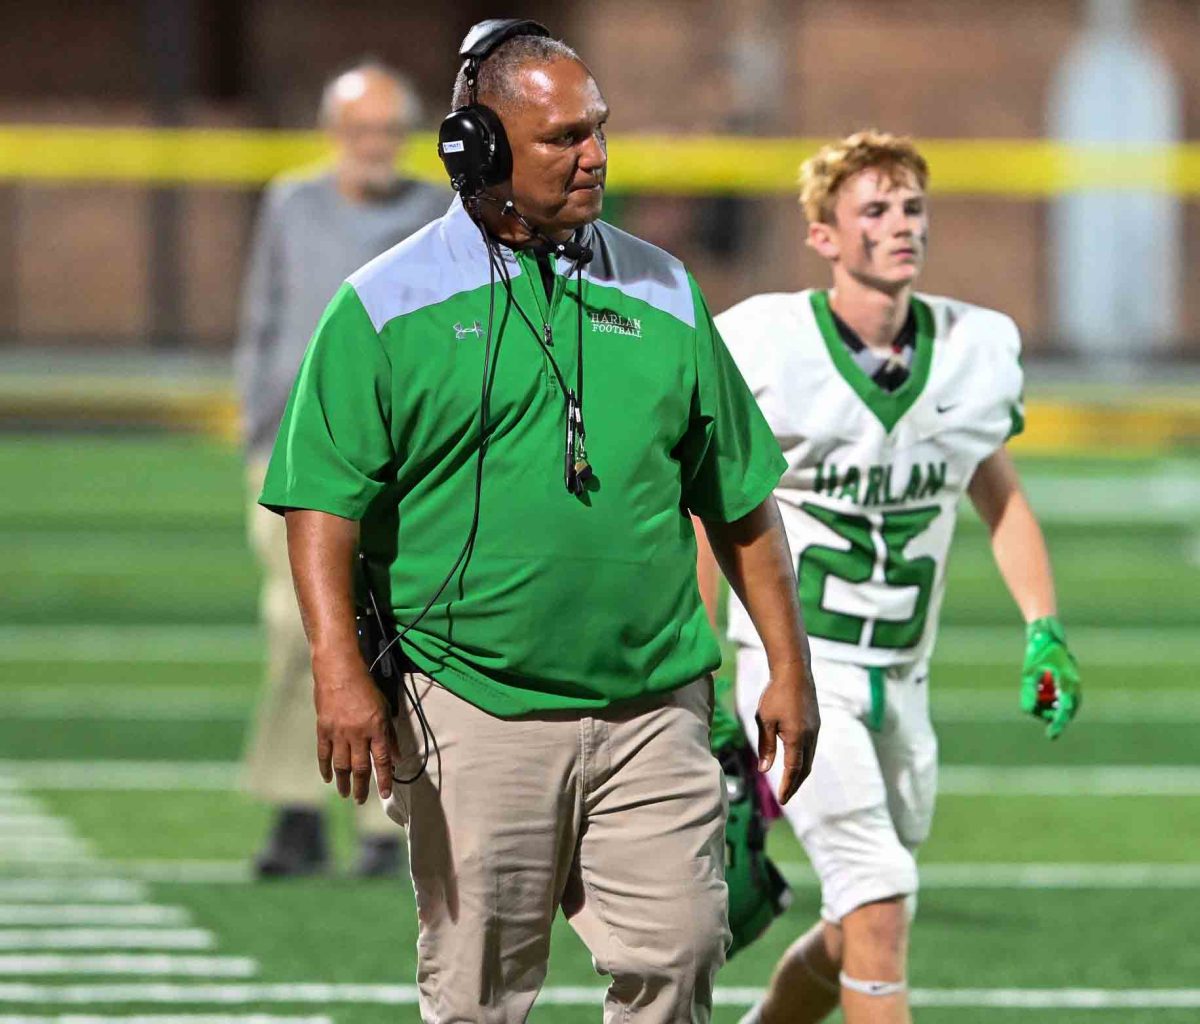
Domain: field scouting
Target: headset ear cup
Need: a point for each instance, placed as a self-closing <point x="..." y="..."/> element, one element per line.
<point x="474" y="149"/>
<point x="500" y="166"/>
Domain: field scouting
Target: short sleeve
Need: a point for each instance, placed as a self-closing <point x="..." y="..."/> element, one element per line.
<point x="741" y="331"/>
<point x="1015" y="376"/>
<point x="334" y="445"/>
<point x="730" y="458"/>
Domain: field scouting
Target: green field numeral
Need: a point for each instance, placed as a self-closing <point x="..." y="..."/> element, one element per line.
<point x="856" y="563"/>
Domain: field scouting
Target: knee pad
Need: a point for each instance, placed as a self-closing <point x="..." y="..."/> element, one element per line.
<point x="872" y="988"/>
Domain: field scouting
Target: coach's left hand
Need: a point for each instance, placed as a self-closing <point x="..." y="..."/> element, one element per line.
<point x="788" y="711"/>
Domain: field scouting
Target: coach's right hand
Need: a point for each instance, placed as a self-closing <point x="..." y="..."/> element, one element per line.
<point x="354" y="726"/>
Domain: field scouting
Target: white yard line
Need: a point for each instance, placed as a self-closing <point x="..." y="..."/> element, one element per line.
<point x="174" y="1018"/>
<point x="957" y="704"/>
<point x="54" y="889"/>
<point x="42" y="825"/>
<point x="1069" y="780"/>
<point x="92" y="913"/>
<point x="18" y="803"/>
<point x="1165" y="496"/>
<point x="1061" y="998"/>
<point x="1094" y="645"/>
<point x="123" y="775"/>
<point x="1129" y="876"/>
<point x="147" y="964"/>
<point x="952" y="701"/>
<point x="968" y="875"/>
<point x="954" y="780"/>
<point x="187" y="871"/>
<point x="168" y="644"/>
<point x="1097" y="645"/>
<point x="34" y="847"/>
<point x="22" y="939"/>
<point x="80" y="872"/>
<point x="567" y="995"/>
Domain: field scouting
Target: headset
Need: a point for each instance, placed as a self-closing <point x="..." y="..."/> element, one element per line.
<point x="472" y="143"/>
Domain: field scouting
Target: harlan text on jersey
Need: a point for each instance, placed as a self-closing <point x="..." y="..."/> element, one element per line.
<point x="870" y="486"/>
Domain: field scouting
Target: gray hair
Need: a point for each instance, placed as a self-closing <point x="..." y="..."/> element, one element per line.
<point x="377" y="68"/>
<point x="498" y="73"/>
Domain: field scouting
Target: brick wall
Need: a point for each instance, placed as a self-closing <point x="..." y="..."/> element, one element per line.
<point x="77" y="257"/>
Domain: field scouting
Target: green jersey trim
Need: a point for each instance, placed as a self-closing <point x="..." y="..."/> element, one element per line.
<point x="1016" y="422"/>
<point x="889" y="407"/>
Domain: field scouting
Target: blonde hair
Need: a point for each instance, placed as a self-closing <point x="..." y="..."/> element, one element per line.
<point x="822" y="175"/>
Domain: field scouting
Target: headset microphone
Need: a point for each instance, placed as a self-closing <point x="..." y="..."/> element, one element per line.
<point x="577" y="252"/>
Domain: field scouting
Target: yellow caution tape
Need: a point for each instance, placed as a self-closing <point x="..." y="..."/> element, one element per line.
<point x="687" y="164"/>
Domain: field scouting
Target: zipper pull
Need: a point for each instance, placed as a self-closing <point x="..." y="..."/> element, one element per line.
<point x="548" y="335"/>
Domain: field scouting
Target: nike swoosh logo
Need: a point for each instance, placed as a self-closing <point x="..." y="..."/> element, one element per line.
<point x="947" y="408"/>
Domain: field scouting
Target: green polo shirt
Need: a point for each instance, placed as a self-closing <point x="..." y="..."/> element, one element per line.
<point x="564" y="602"/>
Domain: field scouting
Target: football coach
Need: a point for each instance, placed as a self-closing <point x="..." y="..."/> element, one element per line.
<point x="506" y="420"/>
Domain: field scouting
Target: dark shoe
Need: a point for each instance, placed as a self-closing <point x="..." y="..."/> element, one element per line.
<point x="381" y="857"/>
<point x="297" y="845"/>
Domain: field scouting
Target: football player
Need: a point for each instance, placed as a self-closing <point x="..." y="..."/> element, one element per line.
<point x="889" y="405"/>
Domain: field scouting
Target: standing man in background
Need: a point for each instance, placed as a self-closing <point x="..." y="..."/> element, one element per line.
<point x="312" y="232"/>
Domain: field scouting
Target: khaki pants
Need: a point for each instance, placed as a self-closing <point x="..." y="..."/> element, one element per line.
<point x="616" y="816"/>
<point x="281" y="755"/>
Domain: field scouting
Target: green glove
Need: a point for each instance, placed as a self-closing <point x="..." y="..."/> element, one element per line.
<point x="1050" y="678"/>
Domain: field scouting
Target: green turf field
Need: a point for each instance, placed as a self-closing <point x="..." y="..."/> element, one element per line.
<point x="1058" y="877"/>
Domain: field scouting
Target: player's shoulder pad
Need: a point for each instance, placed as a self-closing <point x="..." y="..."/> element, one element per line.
<point x="750" y="330"/>
<point x="964" y="323"/>
<point x="754" y="309"/>
<point x="745" y="322"/>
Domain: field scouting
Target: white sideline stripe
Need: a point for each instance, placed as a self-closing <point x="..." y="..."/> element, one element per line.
<point x="1095" y="645"/>
<point x="573" y="995"/>
<point x="18" y="803"/>
<point x="1034" y="876"/>
<point x="174" y="1018"/>
<point x="148" y="704"/>
<point x="933" y="876"/>
<point x="1162" y="497"/>
<point x="44" y="860"/>
<point x="169" y="871"/>
<point x="123" y="775"/>
<point x="226" y="645"/>
<point x="19" y="939"/>
<point x="954" y="780"/>
<point x="1060" y="999"/>
<point x="1069" y="780"/>
<point x="151" y="964"/>
<point x="37" y="846"/>
<point x="53" y="889"/>
<point x="962" y="705"/>
<point x="33" y="825"/>
<point x="92" y="913"/>
<point x="951" y="703"/>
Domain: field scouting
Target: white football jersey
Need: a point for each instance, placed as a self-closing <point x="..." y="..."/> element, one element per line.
<point x="874" y="478"/>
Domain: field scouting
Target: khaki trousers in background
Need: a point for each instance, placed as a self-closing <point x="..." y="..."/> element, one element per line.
<point x="616" y="816"/>
<point x="281" y="754"/>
